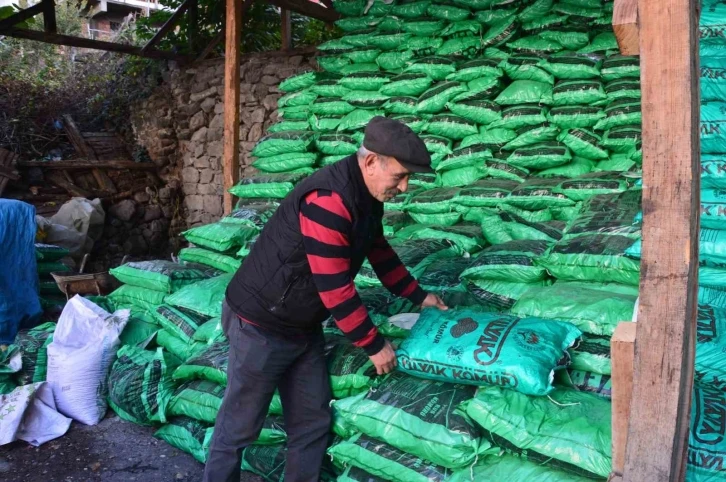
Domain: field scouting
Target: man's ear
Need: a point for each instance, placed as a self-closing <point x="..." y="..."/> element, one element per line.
<point x="370" y="161"/>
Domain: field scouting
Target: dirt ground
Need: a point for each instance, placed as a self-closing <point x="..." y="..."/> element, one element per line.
<point x="112" y="451"/>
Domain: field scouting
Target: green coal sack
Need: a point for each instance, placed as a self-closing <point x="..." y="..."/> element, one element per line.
<point x="602" y="43"/>
<point x="592" y="354"/>
<point x="434" y="99"/>
<point x="485" y="193"/>
<point x="389" y="41"/>
<point x="336" y="144"/>
<point x="444" y="219"/>
<point x="209" y="331"/>
<point x="623" y="88"/>
<point x="596" y="257"/>
<point x="571" y="92"/>
<point x="543" y="155"/>
<point x="275" y="186"/>
<point x="451" y="126"/>
<point x="546" y="22"/>
<point x="463" y="346"/>
<point x="535" y="10"/>
<point x="293" y="99"/>
<point x="505" y="226"/>
<point x="197" y="399"/>
<point x="518" y="116"/>
<point x="220" y="236"/>
<point x="416" y="123"/>
<point x="709" y="364"/>
<point x="139" y="385"/>
<point x="285" y="126"/>
<point x="268" y="462"/>
<point x="706" y="442"/>
<point x="569" y="36"/>
<point x="356" y="68"/>
<point x="211" y="364"/>
<point x="330" y="106"/>
<point x="411" y="9"/>
<point x="424" y="27"/>
<point x="481" y="88"/>
<point x="538" y="193"/>
<point x="466" y="236"/>
<point x="222" y="262"/>
<point x="364" y="55"/>
<point x="134" y="296"/>
<point x="285" y="162"/>
<point x="448" y="11"/>
<point x="713" y="124"/>
<point x="433" y="201"/>
<point x="476" y="69"/>
<point x="178" y="321"/>
<point x="421" y="47"/>
<point x="383" y="460"/>
<point x="355" y="23"/>
<point x="33" y="347"/>
<point x="512" y="261"/>
<point x="615" y="213"/>
<point x="530" y="135"/>
<point x="329" y="88"/>
<point x="593" y="184"/>
<point x="253" y="213"/>
<point x="139" y="329"/>
<point x="503" y="468"/>
<point x="583" y="143"/>
<point x="401" y="105"/>
<point x="575" y="116"/>
<point x="500" y="32"/>
<point x="283" y="142"/>
<point x="491" y="16"/>
<point x="480" y="111"/>
<point x="624" y="112"/>
<point x="358" y="119"/>
<point x="526" y="67"/>
<point x="623" y="139"/>
<point x="435" y="67"/>
<point x="159" y="275"/>
<point x="568" y="430"/>
<point x="711" y="248"/>
<point x="419" y="417"/>
<point x="493" y="138"/>
<point x="50" y="252"/>
<point x="366" y="81"/>
<point x="535" y="44"/>
<point x="588" y="382"/>
<point x="467" y="47"/>
<point x="575" y="9"/>
<point x="203" y="297"/>
<point x="188" y="435"/>
<point x="411" y="84"/>
<point x="324" y="123"/>
<point x="350" y="370"/>
<point x="299" y="81"/>
<point x="526" y="92"/>
<point x="334" y="63"/>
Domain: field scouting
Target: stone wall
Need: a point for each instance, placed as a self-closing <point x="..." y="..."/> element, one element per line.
<point x="182" y="125"/>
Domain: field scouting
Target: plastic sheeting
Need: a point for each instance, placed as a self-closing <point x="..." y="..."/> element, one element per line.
<point x="19" y="303"/>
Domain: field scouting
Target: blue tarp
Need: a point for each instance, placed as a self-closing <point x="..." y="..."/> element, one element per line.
<point x="19" y="302"/>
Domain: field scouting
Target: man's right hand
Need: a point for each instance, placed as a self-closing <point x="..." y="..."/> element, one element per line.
<point x="385" y="360"/>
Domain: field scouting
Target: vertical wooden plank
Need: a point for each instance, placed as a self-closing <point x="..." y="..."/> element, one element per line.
<point x="625" y="26"/>
<point x="664" y="347"/>
<point x="49" y="22"/>
<point x="286" y="30"/>
<point x="622" y="353"/>
<point x="233" y="38"/>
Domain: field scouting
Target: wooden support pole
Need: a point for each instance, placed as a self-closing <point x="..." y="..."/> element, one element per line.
<point x="625" y="26"/>
<point x="622" y="353"/>
<point x="220" y="36"/>
<point x="233" y="39"/>
<point x="49" y="23"/>
<point x="285" y="30"/>
<point x="664" y="347"/>
<point x="21" y="16"/>
<point x="168" y="25"/>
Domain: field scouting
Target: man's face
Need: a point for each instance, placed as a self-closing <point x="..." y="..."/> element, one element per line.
<point x="385" y="177"/>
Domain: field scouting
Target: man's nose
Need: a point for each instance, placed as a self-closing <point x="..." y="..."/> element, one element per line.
<point x="403" y="185"/>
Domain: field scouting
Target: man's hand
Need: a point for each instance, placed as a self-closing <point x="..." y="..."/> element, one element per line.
<point x="434" y="300"/>
<point x="384" y="360"/>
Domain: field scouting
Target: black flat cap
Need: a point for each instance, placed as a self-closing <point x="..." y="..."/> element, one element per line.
<point x="390" y="137"/>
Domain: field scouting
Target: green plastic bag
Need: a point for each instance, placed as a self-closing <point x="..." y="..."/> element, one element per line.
<point x="293" y="99"/>
<point x="188" y="435"/>
<point x="535" y="44"/>
<point x="592" y="354"/>
<point x="197" y="399"/>
<point x="50" y="252"/>
<point x="128" y="296"/>
<point x="140" y="328"/>
<point x="476" y="69"/>
<point x="494" y="138"/>
<point x="356" y="68"/>
<point x="628" y="112"/>
<point x="706" y="444"/>
<point x="709" y="364"/>
<point x="491" y="16"/>
<point x="593" y="184"/>
<point x="409" y="84"/>
<point x="419" y="417"/>
<point x="363" y="55"/>
<point x="299" y="82"/>
<point x="351" y="371"/>
<point x="180" y="322"/>
<point x="509" y="226"/>
<point x="416" y="123"/>
<point x="469" y="156"/>
<point x="474" y="348"/>
<point x="526" y="92"/>
<point x="589" y="382"/>
<point x="176" y="346"/>
<point x="330" y="106"/>
<point x="355" y="23"/>
<point x="268" y="462"/>
<point x="537" y="9"/>
<point x="526" y="67"/>
<point x="711" y="248"/>
<point x="210" y="365"/>
<point x="519" y="116"/>
<point x="482" y="88"/>
<point x="432" y="201"/>
<point x="139" y="387"/>
<point x="575" y="116"/>
<point x="466" y="47"/>
<point x="275" y="186"/>
<point x="499" y="295"/>
<point x="220" y="236"/>
<point x="33" y="347"/>
<point x="615" y="213"/>
<point x="505" y="468"/>
<point x="336" y="144"/>
<point x="254" y="213"/>
<point x="543" y="155"/>
<point x="445" y="219"/>
<point x="366" y="81"/>
<point x="466" y="236"/>
<point x="364" y="100"/>
<point x="485" y="193"/>
<point x="297" y="113"/>
<point x="393" y="221"/>
<point x="380" y="459"/>
<point x="45" y="268"/>
<point x="571" y="92"/>
<point x="447" y="11"/>
<point x="571" y="37"/>
<point x="435" y="67"/>
<point x="617" y="162"/>
<point x="204" y="297"/>
<point x="358" y="119"/>
<point x="285" y="162"/>
<point x="422" y="26"/>
<point x="712" y="296"/>
<point x="620" y="67"/>
<point x="602" y="43"/>
<point x="596" y="257"/>
<point x="324" y="123"/>
<point x="500" y="32"/>
<point x="583" y="143"/>
<point x="512" y="261"/>
<point x="159" y="275"/>
<point x="401" y="105"/>
<point x="442" y="275"/>
<point x="209" y="331"/>
<point x="329" y="88"/>
<point x="713" y="123"/>
<point x="434" y="99"/>
<point x="334" y="61"/>
<point x="411" y="9"/>
<point x="451" y="126"/>
<point x="624" y="88"/>
<point x="530" y="135"/>
<point x="573" y="431"/>
<point x="572" y="8"/>
<point x="547" y="22"/>
<point x="623" y="139"/>
<point x="283" y="142"/>
<point x="480" y="111"/>
<point x="221" y="262"/>
<point x="284" y="126"/>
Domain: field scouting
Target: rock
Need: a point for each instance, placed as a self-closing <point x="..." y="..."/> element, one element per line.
<point x="208" y="105"/>
<point x="270" y="69"/>
<point x="199" y="150"/>
<point x="190" y="188"/>
<point x="215" y="149"/>
<point x="153" y="213"/>
<point x="270" y="102"/>
<point x="260" y="91"/>
<point x="201" y="162"/>
<point x="200" y="135"/>
<point x="203" y="95"/>
<point x="219" y="108"/>
<point x="196" y="121"/>
<point x="255" y="133"/>
<point x="295" y="60"/>
<point x="165" y="193"/>
<point x="198" y="87"/>
<point x="194" y="202"/>
<point x="190" y="175"/>
<point x="205" y="177"/>
<point x="168" y="212"/>
<point x="210" y="189"/>
<point x="135" y="245"/>
<point x="213" y="205"/>
<point x="251" y="116"/>
<point x="216" y="128"/>
<point x="183" y="134"/>
<point x="269" y="80"/>
<point x="141" y="197"/>
<point x="253" y="74"/>
<point x="124" y="210"/>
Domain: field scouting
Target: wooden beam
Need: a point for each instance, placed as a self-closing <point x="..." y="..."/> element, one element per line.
<point x="193" y="25"/>
<point x="83" y="164"/>
<point x="625" y="26"/>
<point x="246" y="5"/>
<point x="49" y="23"/>
<point x="76" y="138"/>
<point x="285" y="30"/>
<point x="664" y="347"/>
<point x="622" y="353"/>
<point x="308" y="8"/>
<point x="59" y="179"/>
<point x="230" y="159"/>
<point x="168" y="25"/>
<point x="21" y="16"/>
<point x="84" y="43"/>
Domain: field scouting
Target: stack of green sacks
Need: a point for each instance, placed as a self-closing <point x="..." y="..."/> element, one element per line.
<point x="48" y="258"/>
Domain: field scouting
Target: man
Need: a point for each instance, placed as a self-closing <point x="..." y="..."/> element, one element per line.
<point x="299" y="272"/>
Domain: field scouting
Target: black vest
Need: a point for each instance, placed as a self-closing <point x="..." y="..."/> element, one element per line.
<point x="274" y="287"/>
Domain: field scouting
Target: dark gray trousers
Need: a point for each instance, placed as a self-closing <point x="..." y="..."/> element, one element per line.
<point x="259" y="362"/>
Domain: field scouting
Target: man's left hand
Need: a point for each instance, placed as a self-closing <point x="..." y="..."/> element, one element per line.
<point x="435" y="301"/>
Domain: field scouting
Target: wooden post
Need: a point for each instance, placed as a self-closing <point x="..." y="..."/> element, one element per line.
<point x="286" y="30"/>
<point x="664" y="347"/>
<point x="49" y="22"/>
<point x="233" y="39"/>
<point x="625" y="26"/>
<point x="622" y="352"/>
